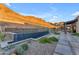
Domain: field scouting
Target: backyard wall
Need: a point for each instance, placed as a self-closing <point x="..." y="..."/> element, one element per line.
<point x="8" y="36"/>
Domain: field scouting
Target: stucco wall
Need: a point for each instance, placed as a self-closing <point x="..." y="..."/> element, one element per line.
<point x="77" y="26"/>
<point x="8" y="36"/>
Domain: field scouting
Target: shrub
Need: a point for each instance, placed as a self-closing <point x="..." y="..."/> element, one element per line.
<point x="21" y="49"/>
<point x="44" y="40"/>
<point x="24" y="46"/>
<point x="53" y="39"/>
<point x="48" y="40"/>
<point x="10" y="46"/>
<point x="1" y="37"/>
<point x="76" y="34"/>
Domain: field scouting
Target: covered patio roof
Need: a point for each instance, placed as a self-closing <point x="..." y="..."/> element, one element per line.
<point x="72" y="21"/>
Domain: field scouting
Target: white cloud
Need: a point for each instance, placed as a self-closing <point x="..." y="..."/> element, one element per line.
<point x="56" y="19"/>
<point x="29" y="14"/>
<point x="22" y="13"/>
<point x="8" y="4"/>
<point x="37" y="15"/>
<point x="75" y="13"/>
<point x="47" y="15"/>
<point x="43" y="15"/>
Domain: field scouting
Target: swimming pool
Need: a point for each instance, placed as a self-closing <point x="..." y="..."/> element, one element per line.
<point x="22" y="36"/>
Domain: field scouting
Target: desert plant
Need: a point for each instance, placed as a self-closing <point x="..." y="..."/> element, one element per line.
<point x="48" y="40"/>
<point x="76" y="34"/>
<point x="21" y="49"/>
<point x="44" y="40"/>
<point x="24" y="46"/>
<point x="2" y="36"/>
<point x="54" y="39"/>
<point x="10" y="46"/>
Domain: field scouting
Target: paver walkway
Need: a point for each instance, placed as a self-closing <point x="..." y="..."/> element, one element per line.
<point x="67" y="45"/>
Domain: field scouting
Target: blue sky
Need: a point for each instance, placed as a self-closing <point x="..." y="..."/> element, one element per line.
<point x="51" y="12"/>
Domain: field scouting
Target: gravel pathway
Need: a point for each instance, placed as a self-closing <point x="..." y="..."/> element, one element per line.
<point x="36" y="48"/>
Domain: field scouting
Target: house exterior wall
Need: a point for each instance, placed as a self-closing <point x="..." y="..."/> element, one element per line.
<point x="77" y="25"/>
<point x="8" y="36"/>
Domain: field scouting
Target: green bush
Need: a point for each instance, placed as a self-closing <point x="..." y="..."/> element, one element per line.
<point x="48" y="40"/>
<point x="21" y="49"/>
<point x="10" y="46"/>
<point x="1" y="37"/>
<point x="53" y="39"/>
<point x="76" y="34"/>
<point x="24" y="46"/>
<point x="44" y="40"/>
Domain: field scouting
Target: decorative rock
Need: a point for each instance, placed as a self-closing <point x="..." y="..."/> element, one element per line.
<point x="75" y="44"/>
<point x="76" y="50"/>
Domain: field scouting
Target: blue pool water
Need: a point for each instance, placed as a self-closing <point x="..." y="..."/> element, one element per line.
<point x="22" y="36"/>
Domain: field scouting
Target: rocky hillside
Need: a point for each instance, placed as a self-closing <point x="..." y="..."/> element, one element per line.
<point x="8" y="15"/>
